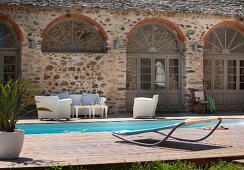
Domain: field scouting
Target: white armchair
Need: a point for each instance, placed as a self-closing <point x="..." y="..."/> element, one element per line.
<point x="145" y="107"/>
<point x="60" y="108"/>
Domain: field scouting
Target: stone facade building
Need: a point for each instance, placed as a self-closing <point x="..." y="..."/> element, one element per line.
<point x="123" y="49"/>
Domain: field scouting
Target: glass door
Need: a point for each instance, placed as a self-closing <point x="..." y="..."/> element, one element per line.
<point x="231" y="83"/>
<point x="131" y="80"/>
<point x="160" y="81"/>
<point x="241" y="75"/>
<point x="8" y="66"/>
<point x="224" y="80"/>
<point x="154" y="74"/>
<point x="145" y="77"/>
<point x="240" y="84"/>
<point x="223" y="67"/>
<point x="174" y="90"/>
<point x="219" y="81"/>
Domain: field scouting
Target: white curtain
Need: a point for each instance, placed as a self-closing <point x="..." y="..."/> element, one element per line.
<point x="160" y="74"/>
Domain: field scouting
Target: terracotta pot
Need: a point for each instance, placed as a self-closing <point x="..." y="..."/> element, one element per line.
<point x="11" y="144"/>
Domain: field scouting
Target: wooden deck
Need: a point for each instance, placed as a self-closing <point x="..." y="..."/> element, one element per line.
<point x="103" y="148"/>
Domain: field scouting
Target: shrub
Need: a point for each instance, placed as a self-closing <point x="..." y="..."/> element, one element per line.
<point x="15" y="97"/>
<point x="179" y="165"/>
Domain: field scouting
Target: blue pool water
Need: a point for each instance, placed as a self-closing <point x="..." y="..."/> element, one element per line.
<point x="77" y="127"/>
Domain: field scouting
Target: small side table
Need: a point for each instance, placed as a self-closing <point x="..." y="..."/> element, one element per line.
<point x="104" y="109"/>
<point x="83" y="107"/>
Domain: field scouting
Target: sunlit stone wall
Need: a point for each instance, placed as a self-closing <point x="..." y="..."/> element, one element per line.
<point x="103" y="73"/>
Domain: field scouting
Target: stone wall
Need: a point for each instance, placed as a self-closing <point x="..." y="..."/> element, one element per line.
<point x="103" y="73"/>
<point x="219" y="7"/>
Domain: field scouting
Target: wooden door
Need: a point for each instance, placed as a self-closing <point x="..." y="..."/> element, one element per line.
<point x="155" y="74"/>
<point x="8" y="66"/>
<point x="224" y="80"/>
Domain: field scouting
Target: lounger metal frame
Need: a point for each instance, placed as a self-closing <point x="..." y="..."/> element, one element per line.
<point x="173" y="127"/>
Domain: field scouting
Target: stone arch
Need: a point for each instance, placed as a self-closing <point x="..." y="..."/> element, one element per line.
<point x="223" y="58"/>
<point x="10" y="40"/>
<point x="13" y="26"/>
<point x="233" y="24"/>
<point x="154" y="62"/>
<point x="77" y="16"/>
<point x="164" y="22"/>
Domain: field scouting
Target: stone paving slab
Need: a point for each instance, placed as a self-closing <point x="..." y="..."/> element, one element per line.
<point x="103" y="148"/>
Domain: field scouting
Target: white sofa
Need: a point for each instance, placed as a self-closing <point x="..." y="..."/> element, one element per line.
<point x="145" y="107"/>
<point x="60" y="108"/>
<point x="76" y="100"/>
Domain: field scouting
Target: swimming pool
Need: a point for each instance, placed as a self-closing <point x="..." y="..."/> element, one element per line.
<point x="109" y="126"/>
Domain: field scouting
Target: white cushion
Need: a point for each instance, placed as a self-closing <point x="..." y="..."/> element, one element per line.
<point x="89" y="98"/>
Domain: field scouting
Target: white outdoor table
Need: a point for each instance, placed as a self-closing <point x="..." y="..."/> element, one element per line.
<point x="83" y="107"/>
<point x="104" y="109"/>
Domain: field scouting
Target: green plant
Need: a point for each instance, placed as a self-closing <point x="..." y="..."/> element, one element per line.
<point x="15" y="97"/>
<point x="61" y="167"/>
<point x="179" y="165"/>
<point x="183" y="165"/>
<point x="222" y="165"/>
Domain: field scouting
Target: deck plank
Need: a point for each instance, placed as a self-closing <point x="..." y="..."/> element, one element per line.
<point x="103" y="148"/>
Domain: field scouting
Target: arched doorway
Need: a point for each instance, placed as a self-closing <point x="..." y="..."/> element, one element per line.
<point x="224" y="67"/>
<point x="154" y="66"/>
<point x="9" y="54"/>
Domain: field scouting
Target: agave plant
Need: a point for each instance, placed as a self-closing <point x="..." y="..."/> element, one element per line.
<point x="15" y="97"/>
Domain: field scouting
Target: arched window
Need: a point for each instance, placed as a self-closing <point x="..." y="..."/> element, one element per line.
<point x="224" y="40"/>
<point x="73" y="36"/>
<point x="223" y="67"/>
<point x="9" y="54"/>
<point x="153" y="38"/>
<point x="153" y="66"/>
<point x="7" y="38"/>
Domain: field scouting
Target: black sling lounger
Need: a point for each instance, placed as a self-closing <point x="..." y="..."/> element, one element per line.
<point x="121" y="134"/>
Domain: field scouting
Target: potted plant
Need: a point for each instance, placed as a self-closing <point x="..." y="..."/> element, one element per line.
<point x="15" y="97"/>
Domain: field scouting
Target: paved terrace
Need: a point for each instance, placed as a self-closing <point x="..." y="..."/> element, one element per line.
<point x="102" y="148"/>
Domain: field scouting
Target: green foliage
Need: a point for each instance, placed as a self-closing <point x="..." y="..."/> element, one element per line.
<point x="179" y="165"/>
<point x="15" y="97"/>
<point x="226" y="166"/>
<point x="61" y="167"/>
<point x="54" y="167"/>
